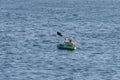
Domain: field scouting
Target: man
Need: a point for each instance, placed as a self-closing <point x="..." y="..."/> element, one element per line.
<point x="69" y="41"/>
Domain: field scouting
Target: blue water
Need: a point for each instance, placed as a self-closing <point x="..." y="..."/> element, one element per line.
<point x="28" y="39"/>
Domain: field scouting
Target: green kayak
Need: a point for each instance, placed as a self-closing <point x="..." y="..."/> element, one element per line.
<point x="66" y="47"/>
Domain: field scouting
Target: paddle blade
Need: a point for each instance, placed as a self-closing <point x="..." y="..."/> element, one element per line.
<point x="59" y="33"/>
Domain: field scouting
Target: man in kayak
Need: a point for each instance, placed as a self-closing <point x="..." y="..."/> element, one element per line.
<point x="69" y="41"/>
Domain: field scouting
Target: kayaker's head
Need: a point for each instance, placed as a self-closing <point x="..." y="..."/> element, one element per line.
<point x="70" y="40"/>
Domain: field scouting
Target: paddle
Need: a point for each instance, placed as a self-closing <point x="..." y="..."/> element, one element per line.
<point x="58" y="33"/>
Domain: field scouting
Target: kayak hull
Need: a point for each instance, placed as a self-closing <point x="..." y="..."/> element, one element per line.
<point x="66" y="47"/>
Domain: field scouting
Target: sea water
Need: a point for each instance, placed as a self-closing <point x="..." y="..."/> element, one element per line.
<point x="28" y="39"/>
